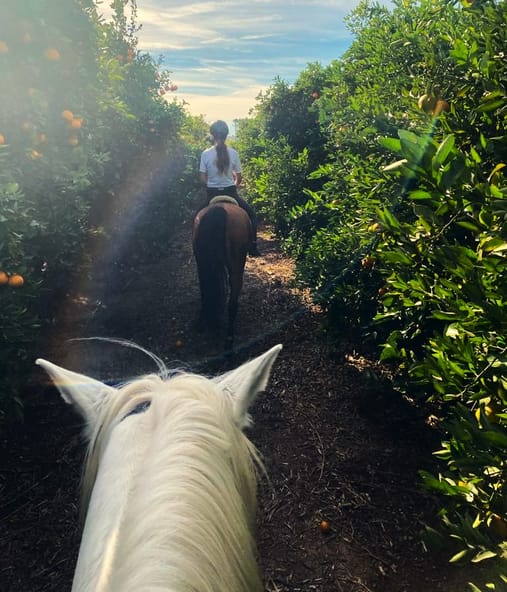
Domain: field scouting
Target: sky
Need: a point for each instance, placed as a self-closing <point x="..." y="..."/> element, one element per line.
<point x="222" y="54"/>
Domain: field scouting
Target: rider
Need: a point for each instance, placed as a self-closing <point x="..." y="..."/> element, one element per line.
<point x="220" y="171"/>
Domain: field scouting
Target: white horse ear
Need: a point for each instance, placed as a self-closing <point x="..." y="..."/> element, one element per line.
<point x="87" y="394"/>
<point x="247" y="381"/>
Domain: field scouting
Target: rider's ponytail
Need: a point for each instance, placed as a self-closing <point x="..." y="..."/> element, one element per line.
<point x="219" y="131"/>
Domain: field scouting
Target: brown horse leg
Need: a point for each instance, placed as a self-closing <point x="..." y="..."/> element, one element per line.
<point x="235" y="285"/>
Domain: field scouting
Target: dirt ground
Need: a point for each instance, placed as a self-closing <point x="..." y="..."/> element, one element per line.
<point x="335" y="448"/>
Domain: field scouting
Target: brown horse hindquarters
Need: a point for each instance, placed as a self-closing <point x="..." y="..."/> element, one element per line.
<point x="238" y="240"/>
<point x="221" y="238"/>
<point x="238" y="236"/>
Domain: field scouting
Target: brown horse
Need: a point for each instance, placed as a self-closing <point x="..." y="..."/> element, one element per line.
<point x="222" y="233"/>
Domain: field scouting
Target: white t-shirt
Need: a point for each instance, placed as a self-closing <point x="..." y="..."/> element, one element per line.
<point x="209" y="166"/>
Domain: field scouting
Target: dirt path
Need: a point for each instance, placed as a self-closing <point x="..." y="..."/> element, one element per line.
<point x="334" y="449"/>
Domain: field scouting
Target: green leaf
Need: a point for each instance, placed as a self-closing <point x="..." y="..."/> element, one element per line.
<point x="475" y="155"/>
<point x="391" y="144"/>
<point x="443" y="152"/>
<point x="496" y="438"/>
<point x="483" y="555"/>
<point x="388" y="352"/>
<point x="491" y="105"/>
<point x="444" y="315"/>
<point x="485" y="218"/>
<point x="468" y="225"/>
<point x="413" y="146"/>
<point x="396" y="257"/>
<point x="453" y="174"/>
<point x="388" y="219"/>
<point x="419" y="194"/>
<point x="459" y="556"/>
<point x="453" y="331"/>
<point x="491" y="245"/>
<point x="395" y="165"/>
<point x="498" y="168"/>
<point x="409" y="137"/>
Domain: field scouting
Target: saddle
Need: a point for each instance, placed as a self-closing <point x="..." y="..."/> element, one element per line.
<point x="223" y="199"/>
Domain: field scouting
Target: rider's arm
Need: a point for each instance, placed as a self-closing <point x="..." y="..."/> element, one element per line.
<point x="204" y="178"/>
<point x="237" y="179"/>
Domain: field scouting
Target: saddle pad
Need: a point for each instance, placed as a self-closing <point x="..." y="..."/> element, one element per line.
<point x="223" y="198"/>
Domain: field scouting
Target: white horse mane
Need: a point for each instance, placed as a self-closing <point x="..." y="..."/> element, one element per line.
<point x="211" y="481"/>
<point x="170" y="491"/>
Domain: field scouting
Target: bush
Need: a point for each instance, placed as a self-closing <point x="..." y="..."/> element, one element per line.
<point x="83" y="111"/>
<point x="413" y="251"/>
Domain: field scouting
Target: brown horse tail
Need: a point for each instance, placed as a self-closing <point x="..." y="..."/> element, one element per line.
<point x="211" y="264"/>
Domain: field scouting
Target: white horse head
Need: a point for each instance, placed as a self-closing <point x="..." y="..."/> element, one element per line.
<point x="169" y="484"/>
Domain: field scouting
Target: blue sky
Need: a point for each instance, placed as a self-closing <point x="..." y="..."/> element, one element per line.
<point x="221" y="54"/>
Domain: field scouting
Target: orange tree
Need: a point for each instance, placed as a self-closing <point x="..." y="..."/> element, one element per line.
<point x="421" y="241"/>
<point x="445" y="272"/>
<point x="281" y="145"/>
<point x="81" y="108"/>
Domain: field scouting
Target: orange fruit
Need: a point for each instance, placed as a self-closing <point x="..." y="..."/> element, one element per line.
<point x="427" y="103"/>
<point x="26" y="126"/>
<point x="441" y="105"/>
<point x="4" y="278"/>
<point x="4" y="48"/>
<point x="34" y="155"/>
<point x="367" y="262"/>
<point x="178" y="343"/>
<point x="2" y="139"/>
<point x="324" y="526"/>
<point x="489" y="412"/>
<point x="52" y="54"/>
<point x="16" y="280"/>
<point x="499" y="526"/>
<point x="67" y="115"/>
<point x="73" y="140"/>
<point x="76" y="123"/>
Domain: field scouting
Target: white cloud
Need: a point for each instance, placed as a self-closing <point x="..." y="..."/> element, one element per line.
<point x="222" y="54"/>
<point x="227" y="106"/>
<point x="191" y="24"/>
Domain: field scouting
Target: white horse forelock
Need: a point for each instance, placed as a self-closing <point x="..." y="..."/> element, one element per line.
<point x="185" y="516"/>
